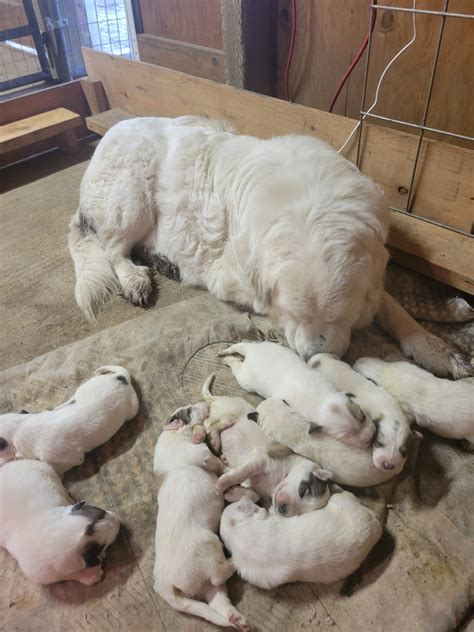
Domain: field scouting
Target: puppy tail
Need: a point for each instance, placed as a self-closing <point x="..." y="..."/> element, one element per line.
<point x="95" y="278"/>
<point x="206" y="389"/>
<point x="191" y="606"/>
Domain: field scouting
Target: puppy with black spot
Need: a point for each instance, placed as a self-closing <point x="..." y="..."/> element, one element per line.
<point x="61" y="437"/>
<point x="293" y="484"/>
<point x="394" y="436"/>
<point x="190" y="566"/>
<point x="272" y="370"/>
<point x="52" y="539"/>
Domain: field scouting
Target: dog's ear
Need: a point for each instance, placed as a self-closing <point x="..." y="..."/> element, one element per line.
<point x="314" y="428"/>
<point x="174" y="424"/>
<point x="91" y="554"/>
<point x="24" y="412"/>
<point x="323" y="475"/>
<point x="253" y="416"/>
<point x="78" y="506"/>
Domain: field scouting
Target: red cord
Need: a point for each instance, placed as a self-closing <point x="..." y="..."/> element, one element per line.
<point x="354" y="63"/>
<point x="291" y="49"/>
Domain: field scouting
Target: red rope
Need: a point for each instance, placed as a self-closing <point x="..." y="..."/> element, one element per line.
<point x="291" y="49"/>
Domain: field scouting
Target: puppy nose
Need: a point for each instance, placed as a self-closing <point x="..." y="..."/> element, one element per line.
<point x="388" y="466"/>
<point x="282" y="509"/>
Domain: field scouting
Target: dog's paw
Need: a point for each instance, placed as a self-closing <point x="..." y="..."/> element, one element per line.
<point x="239" y="622"/>
<point x="237" y="492"/>
<point x="138" y="287"/>
<point x="437" y="356"/>
<point x="222" y="484"/>
<point x="90" y="576"/>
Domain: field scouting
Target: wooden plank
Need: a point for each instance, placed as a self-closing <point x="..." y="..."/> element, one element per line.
<point x="100" y="123"/>
<point x="448" y="171"/>
<point x="190" y="58"/>
<point x="193" y="21"/>
<point x="95" y="96"/>
<point x="34" y="128"/>
<point x="67" y="141"/>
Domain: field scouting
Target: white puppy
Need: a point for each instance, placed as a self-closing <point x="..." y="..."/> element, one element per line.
<point x="393" y="438"/>
<point x="190" y="562"/>
<point x="62" y="436"/>
<point x="348" y="464"/>
<point x="321" y="546"/>
<point x="272" y="370"/>
<point x="294" y="484"/>
<point x="51" y="539"/>
<point x="444" y="407"/>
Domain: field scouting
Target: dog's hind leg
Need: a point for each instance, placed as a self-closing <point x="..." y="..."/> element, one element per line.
<point x="135" y="281"/>
<point x="251" y="467"/>
<point x="219" y="601"/>
<point x="428" y="350"/>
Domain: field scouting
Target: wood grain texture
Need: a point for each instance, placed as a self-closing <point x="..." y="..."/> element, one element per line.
<point x="199" y="61"/>
<point x="448" y="171"/>
<point x="192" y="21"/>
<point x="100" y="123"/>
<point x="95" y="96"/>
<point x="34" y="128"/>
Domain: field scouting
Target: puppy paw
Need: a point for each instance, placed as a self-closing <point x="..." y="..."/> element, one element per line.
<point x="90" y="576"/>
<point x="239" y="622"/>
<point x="237" y="492"/>
<point x="199" y="434"/>
<point x="222" y="484"/>
<point x="138" y="287"/>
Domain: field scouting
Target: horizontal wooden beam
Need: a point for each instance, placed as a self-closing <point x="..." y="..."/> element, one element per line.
<point x="100" y="123"/>
<point x="447" y="172"/>
<point x="199" y="61"/>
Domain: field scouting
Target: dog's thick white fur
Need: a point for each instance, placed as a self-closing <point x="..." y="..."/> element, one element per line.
<point x="272" y="370"/>
<point x="51" y="539"/>
<point x="62" y="436"/>
<point x="294" y="484"/>
<point x="348" y="464"/>
<point x="393" y="438"/>
<point x="442" y="406"/>
<point x="284" y="226"/>
<point x="321" y="546"/>
<point x="190" y="564"/>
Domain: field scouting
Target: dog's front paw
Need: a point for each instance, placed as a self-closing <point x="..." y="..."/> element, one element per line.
<point x="437" y="356"/>
<point x="239" y="622"/>
<point x="138" y="287"/>
<point x="222" y="484"/>
<point x="91" y="575"/>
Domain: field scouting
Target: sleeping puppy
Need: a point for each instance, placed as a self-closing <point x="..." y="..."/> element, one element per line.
<point x="321" y="546"/>
<point x="294" y="484"/>
<point x="393" y="438"/>
<point x="51" y="539"/>
<point x="442" y="406"/>
<point x="190" y="567"/>
<point x="275" y="371"/>
<point x="62" y="436"/>
<point x="349" y="464"/>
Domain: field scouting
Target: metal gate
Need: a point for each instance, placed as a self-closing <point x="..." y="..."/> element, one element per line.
<point x="22" y="64"/>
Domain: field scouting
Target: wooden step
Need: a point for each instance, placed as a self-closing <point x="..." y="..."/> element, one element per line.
<point x="60" y="123"/>
<point x="100" y="123"/>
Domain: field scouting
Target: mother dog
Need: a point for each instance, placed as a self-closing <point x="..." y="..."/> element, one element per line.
<point x="284" y="227"/>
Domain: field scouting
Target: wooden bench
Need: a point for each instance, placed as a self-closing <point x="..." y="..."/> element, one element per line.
<point x="59" y="123"/>
<point x="100" y="123"/>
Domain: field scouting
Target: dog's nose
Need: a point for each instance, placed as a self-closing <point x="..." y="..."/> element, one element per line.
<point x="282" y="509"/>
<point x="388" y="466"/>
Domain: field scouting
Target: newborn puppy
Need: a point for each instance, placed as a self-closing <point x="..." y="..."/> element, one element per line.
<point x="393" y="438"/>
<point x="62" y="436"/>
<point x="51" y="539"/>
<point x="294" y="484"/>
<point x="275" y="371"/>
<point x="321" y="546"/>
<point x="190" y="564"/>
<point x="349" y="464"/>
<point x="442" y="406"/>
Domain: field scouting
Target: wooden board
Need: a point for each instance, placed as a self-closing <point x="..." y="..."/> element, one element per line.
<point x="192" y="21"/>
<point x="100" y="123"/>
<point x="95" y="96"/>
<point x="34" y="128"/>
<point x="190" y="58"/>
<point x="448" y="171"/>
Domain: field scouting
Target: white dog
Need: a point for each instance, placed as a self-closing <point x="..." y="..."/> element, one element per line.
<point x="348" y="464"/>
<point x="51" y="539"/>
<point x="62" y="436"/>
<point x="190" y="562"/>
<point x="294" y="484"/>
<point x="393" y="438"/>
<point x="272" y="370"/>
<point x="444" y="407"/>
<point x="321" y="546"/>
<point x="284" y="226"/>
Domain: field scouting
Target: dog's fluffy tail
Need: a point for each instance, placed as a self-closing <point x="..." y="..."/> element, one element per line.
<point x="95" y="277"/>
<point x="191" y="606"/>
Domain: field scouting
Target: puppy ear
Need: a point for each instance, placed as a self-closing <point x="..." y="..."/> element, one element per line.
<point x="253" y="416"/>
<point x="78" y="506"/>
<point x="91" y="554"/>
<point x="323" y="475"/>
<point x="314" y="428"/>
<point x="103" y="370"/>
<point x="24" y="412"/>
<point x="355" y="410"/>
<point x="418" y="434"/>
<point x="174" y="424"/>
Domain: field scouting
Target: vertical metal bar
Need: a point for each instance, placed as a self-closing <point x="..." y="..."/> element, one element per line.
<point x="372" y="16"/>
<point x="426" y="108"/>
<point x="36" y="35"/>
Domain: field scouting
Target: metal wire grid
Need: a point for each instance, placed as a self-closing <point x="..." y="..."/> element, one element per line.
<point x="443" y="15"/>
<point x="17" y="58"/>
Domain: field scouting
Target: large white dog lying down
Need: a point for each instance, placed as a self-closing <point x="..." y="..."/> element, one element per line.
<point x="284" y="226"/>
